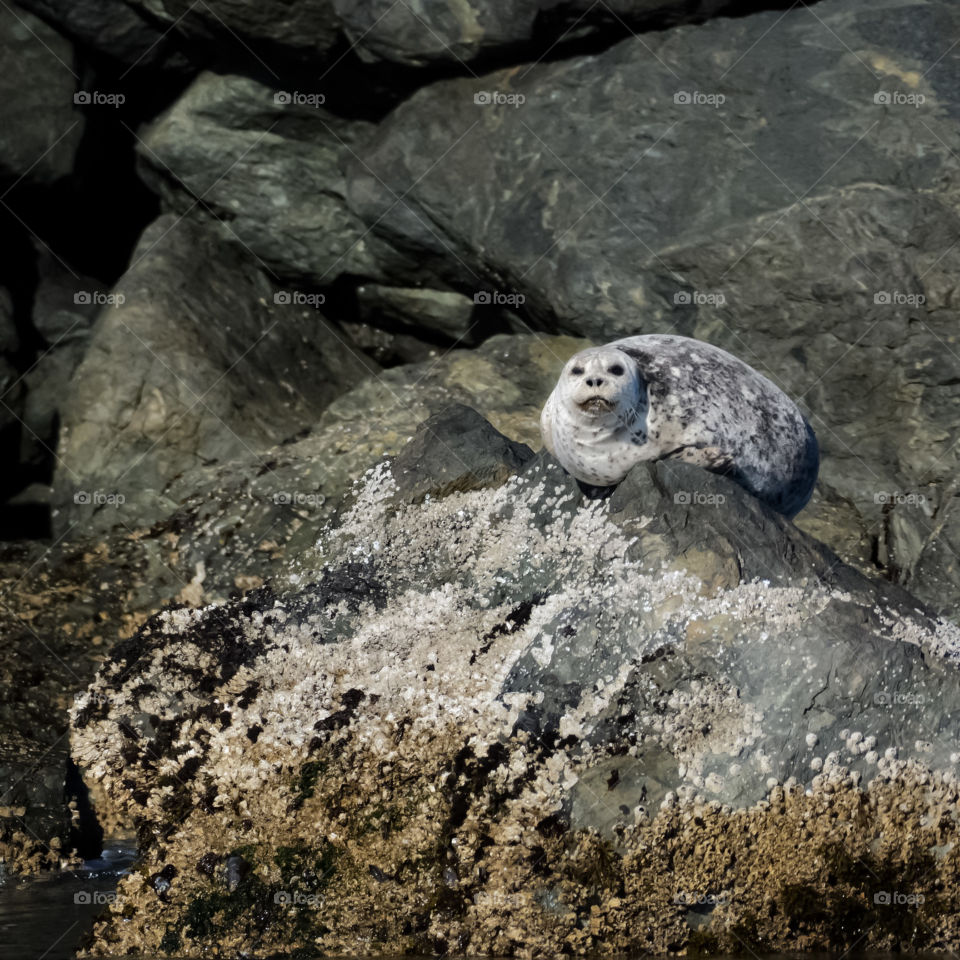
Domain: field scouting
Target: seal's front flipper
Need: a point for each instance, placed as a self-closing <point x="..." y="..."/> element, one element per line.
<point x="710" y="458"/>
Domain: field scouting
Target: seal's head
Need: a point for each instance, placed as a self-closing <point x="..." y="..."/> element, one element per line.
<point x="601" y="385"/>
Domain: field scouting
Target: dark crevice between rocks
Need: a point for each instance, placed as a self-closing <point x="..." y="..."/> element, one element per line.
<point x="91" y="220"/>
<point x="86" y="834"/>
<point x="561" y="33"/>
<point x="341" y="303"/>
<point x="86" y="225"/>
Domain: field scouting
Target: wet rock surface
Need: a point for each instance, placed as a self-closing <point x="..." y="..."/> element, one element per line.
<point x="513" y="719"/>
<point x="61" y="609"/>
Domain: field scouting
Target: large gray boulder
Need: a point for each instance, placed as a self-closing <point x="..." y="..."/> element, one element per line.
<point x="231" y="526"/>
<point x="437" y="31"/>
<point x="488" y="714"/>
<point x="783" y="185"/>
<point x="116" y="28"/>
<point x="270" y="165"/>
<point x="247" y="32"/>
<point x="40" y="128"/>
<point x="192" y="361"/>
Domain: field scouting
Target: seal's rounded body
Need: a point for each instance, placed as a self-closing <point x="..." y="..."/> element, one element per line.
<point x="662" y="397"/>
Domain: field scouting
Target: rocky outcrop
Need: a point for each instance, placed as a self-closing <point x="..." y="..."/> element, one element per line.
<point x="248" y="31"/>
<point x="437" y="31"/>
<point x="753" y="182"/>
<point x="195" y="359"/>
<point x="485" y="713"/>
<point x="269" y="164"/>
<point x="493" y="716"/>
<point x="113" y="27"/>
<point x="40" y="128"/>
<point x="219" y="529"/>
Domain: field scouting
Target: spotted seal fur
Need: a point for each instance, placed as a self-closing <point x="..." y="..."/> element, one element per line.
<point x="660" y="397"/>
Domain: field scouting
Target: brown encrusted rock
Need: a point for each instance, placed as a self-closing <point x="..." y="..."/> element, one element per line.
<point x="514" y="721"/>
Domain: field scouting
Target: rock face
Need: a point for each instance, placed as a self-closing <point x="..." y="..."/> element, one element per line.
<point x="40" y="129"/>
<point x="192" y="361"/>
<point x="11" y="391"/>
<point x="440" y="31"/>
<point x="269" y="165"/>
<point x="231" y="526"/>
<point x="442" y="313"/>
<point x="306" y="26"/>
<point x="499" y="718"/>
<point x="111" y="26"/>
<point x="62" y="326"/>
<point x="812" y="236"/>
<point x="61" y="608"/>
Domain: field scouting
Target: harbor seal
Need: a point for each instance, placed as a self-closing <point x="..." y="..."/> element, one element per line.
<point x="661" y="397"/>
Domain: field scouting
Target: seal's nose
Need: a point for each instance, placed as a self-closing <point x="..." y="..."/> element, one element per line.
<point x="594" y="381"/>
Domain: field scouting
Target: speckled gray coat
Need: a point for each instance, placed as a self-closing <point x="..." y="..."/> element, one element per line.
<point x="663" y="397"/>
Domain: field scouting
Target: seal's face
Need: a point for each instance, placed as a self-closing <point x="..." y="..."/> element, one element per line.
<point x="601" y="385"/>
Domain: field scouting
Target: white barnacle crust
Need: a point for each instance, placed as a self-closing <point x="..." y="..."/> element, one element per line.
<point x="512" y="695"/>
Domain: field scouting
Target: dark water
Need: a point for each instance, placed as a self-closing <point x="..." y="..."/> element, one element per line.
<point x="43" y="918"/>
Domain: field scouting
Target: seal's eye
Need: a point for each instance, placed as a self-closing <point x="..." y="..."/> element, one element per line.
<point x="576" y="371"/>
<point x="616" y="370"/>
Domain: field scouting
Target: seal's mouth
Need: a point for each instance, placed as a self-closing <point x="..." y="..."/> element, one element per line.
<point x="595" y="405"/>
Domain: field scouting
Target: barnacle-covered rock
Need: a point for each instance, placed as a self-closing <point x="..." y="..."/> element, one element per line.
<point x="500" y="717"/>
